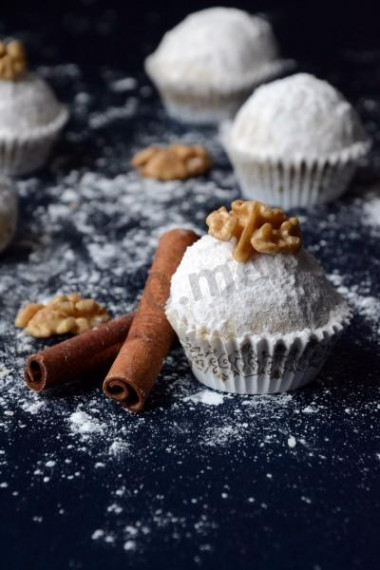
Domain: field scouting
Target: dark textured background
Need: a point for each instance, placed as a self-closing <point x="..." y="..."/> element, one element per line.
<point x="194" y="485"/>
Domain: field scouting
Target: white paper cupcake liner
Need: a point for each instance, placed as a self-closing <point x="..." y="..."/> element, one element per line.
<point x="203" y="106"/>
<point x="299" y="183"/>
<point x="254" y="365"/>
<point x="21" y="154"/>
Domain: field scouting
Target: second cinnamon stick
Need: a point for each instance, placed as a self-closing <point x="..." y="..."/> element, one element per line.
<point x="140" y="359"/>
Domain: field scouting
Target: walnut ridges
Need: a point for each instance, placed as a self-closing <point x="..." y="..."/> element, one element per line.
<point x="175" y="162"/>
<point x="63" y="314"/>
<point x="257" y="229"/>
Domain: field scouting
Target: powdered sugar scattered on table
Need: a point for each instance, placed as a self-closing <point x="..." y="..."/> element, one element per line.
<point x="371" y="210"/>
<point x="91" y="224"/>
<point x="207" y="397"/>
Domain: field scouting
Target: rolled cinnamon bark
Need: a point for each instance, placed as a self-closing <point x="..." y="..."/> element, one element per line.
<point x="84" y="357"/>
<point x="150" y="338"/>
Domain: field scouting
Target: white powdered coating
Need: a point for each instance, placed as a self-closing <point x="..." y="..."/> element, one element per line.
<point x="82" y="423"/>
<point x="125" y="84"/>
<point x="26" y="104"/>
<point x="296" y="117"/>
<point x="213" y="48"/>
<point x="208" y="397"/>
<point x="212" y="292"/>
<point x="371" y="210"/>
<point x="8" y="215"/>
<point x="366" y="305"/>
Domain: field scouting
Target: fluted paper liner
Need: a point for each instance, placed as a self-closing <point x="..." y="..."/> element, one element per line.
<point x="26" y="152"/>
<point x="260" y="365"/>
<point x="204" y="106"/>
<point x="300" y="182"/>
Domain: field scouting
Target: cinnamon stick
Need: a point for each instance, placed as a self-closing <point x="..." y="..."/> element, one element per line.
<point x="83" y="357"/>
<point x="150" y="338"/>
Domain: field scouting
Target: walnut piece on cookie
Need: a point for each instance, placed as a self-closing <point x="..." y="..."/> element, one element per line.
<point x="13" y="61"/>
<point x="63" y="314"/>
<point x="175" y="162"/>
<point x="257" y="228"/>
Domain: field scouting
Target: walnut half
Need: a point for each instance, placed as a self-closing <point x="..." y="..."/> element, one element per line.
<point x="257" y="228"/>
<point x="63" y="314"/>
<point x="177" y="161"/>
<point x="13" y="61"/>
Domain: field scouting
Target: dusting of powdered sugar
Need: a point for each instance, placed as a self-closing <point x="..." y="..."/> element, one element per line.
<point x="8" y="214"/>
<point x="208" y="397"/>
<point x="371" y="211"/>
<point x="220" y="46"/>
<point x="211" y="292"/>
<point x="299" y="116"/>
<point x="365" y="305"/>
<point x="124" y="84"/>
<point x="82" y="423"/>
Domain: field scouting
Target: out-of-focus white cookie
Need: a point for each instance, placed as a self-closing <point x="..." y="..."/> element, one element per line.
<point x="206" y="66"/>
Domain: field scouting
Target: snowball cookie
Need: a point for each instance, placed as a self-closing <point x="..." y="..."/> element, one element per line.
<point x="296" y="117"/>
<point x="207" y="65"/>
<point x="263" y="326"/>
<point x="8" y="214"/>
<point x="296" y="142"/>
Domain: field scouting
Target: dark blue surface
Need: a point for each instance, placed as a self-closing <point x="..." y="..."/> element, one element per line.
<point x="188" y="484"/>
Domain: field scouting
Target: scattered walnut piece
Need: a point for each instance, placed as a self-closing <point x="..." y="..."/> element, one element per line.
<point x="177" y="161"/>
<point x="13" y="62"/>
<point x="257" y="229"/>
<point x="63" y="314"/>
